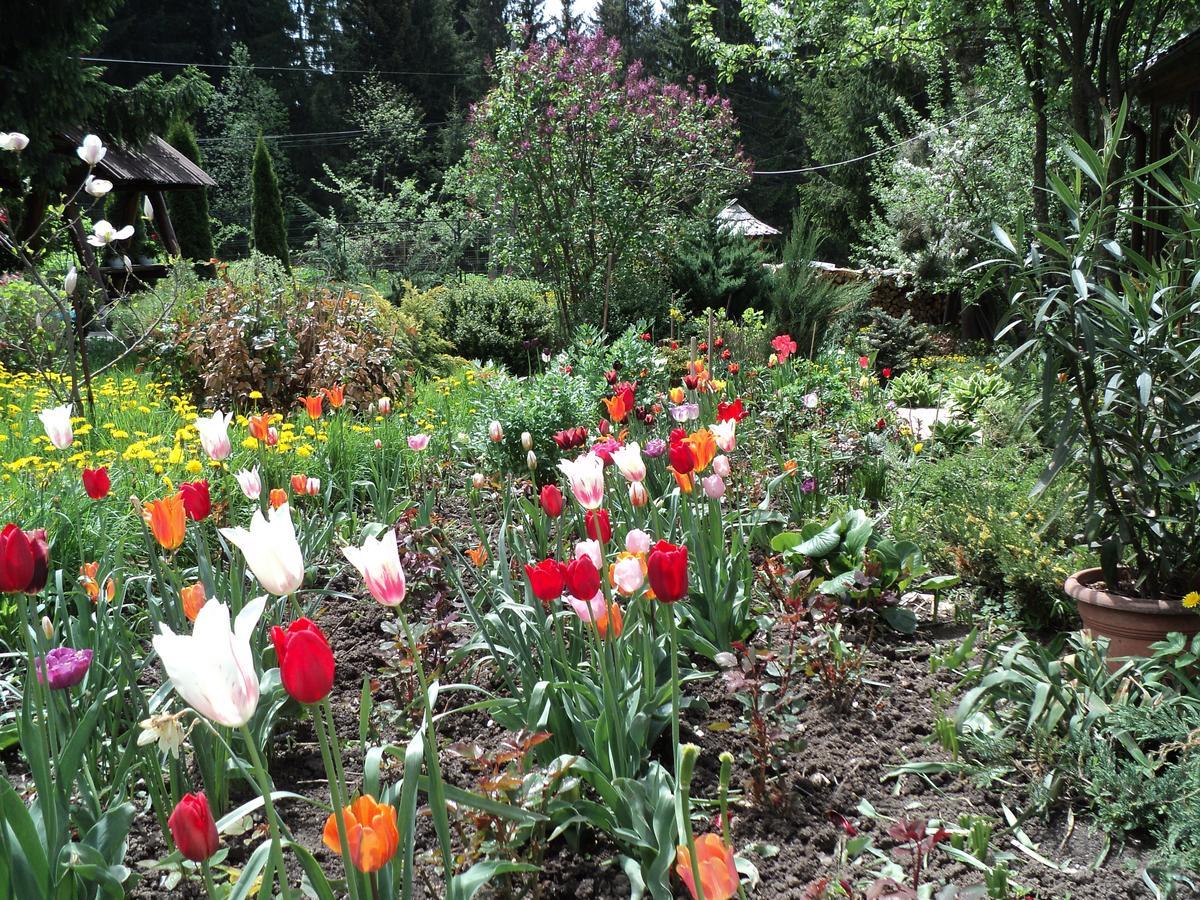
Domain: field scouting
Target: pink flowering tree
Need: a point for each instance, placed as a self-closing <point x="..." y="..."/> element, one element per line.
<point x="582" y="167"/>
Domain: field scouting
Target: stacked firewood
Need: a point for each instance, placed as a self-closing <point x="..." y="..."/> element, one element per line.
<point x="893" y="292"/>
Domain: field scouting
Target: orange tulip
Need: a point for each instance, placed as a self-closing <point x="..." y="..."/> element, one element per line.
<point x="87" y="577"/>
<point x="677" y="395"/>
<point x="193" y="599"/>
<point x="791" y="466"/>
<point x="704" y="447"/>
<point x="336" y="395"/>
<point x="260" y="426"/>
<point x="616" y="408"/>
<point x="167" y="520"/>
<point x="478" y="555"/>
<point x="278" y="497"/>
<point x="684" y="482"/>
<point x="299" y="484"/>
<point x="718" y="874"/>
<point x="370" y="831"/>
<point x="613" y="617"/>
<point x="313" y="405"/>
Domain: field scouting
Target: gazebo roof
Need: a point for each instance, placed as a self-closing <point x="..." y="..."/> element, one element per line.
<point x="736" y="219"/>
<point x="155" y="166"/>
<point x="1171" y="75"/>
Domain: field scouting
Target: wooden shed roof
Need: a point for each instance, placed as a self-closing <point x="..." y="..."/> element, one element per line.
<point x="155" y="166"/>
<point x="1171" y="75"/>
<point x="736" y="218"/>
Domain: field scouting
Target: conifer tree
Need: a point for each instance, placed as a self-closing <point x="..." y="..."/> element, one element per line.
<point x="189" y="209"/>
<point x="267" y="229"/>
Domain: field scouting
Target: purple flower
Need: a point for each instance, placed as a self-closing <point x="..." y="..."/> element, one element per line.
<point x="655" y="447"/>
<point x="605" y="450"/>
<point x="685" y="412"/>
<point x="63" y="668"/>
<point x="808" y="484"/>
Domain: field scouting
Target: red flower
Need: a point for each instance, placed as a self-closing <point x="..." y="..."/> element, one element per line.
<point x="583" y="578"/>
<point x="731" y="411"/>
<point x="784" y="346"/>
<point x="571" y="438"/>
<point x="552" y="501"/>
<point x="666" y="570"/>
<point x="547" y="579"/>
<point x="305" y="660"/>
<point x="24" y="560"/>
<point x="96" y="482"/>
<point x="726" y="353"/>
<point x="887" y="372"/>
<point x="193" y="828"/>
<point x="734" y="368"/>
<point x="863" y="362"/>
<point x="690" y="381"/>
<point x="683" y="460"/>
<point x="703" y="348"/>
<point x="674" y="345"/>
<point x="598" y="527"/>
<point x="196" y="501"/>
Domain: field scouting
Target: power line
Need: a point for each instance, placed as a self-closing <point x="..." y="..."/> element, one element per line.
<point x="316" y="136"/>
<point x="329" y="71"/>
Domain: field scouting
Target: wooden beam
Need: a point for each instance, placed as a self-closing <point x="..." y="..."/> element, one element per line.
<point x="162" y="221"/>
<point x="1139" y="189"/>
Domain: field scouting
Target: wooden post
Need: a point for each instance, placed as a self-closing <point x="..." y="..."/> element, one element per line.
<point x="162" y="222"/>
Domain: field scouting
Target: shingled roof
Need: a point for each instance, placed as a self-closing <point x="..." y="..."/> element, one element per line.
<point x="736" y="219"/>
<point x="155" y="166"/>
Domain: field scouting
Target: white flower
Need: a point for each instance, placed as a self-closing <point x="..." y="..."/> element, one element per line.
<point x="214" y="435"/>
<point x="629" y="460"/>
<point x="586" y="475"/>
<point x="70" y="281"/>
<point x="637" y="541"/>
<point x="271" y="550"/>
<point x="92" y="150"/>
<point x="147" y="208"/>
<point x="250" y="482"/>
<point x="57" y="422"/>
<point x="166" y="730"/>
<point x="97" y="187"/>
<point x="104" y="233"/>
<point x="592" y="549"/>
<point x="13" y="140"/>
<point x="627" y="575"/>
<point x="213" y="668"/>
<point x="378" y="562"/>
<point x="725" y="434"/>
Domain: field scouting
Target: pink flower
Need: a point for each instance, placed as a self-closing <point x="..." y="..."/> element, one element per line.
<point x="721" y="465"/>
<point x="591" y="549"/>
<point x="637" y="541"/>
<point x="714" y="486"/>
<point x="784" y="346"/>
<point x="418" y="442"/>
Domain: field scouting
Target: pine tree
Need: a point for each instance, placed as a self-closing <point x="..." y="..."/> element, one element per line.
<point x="189" y="209"/>
<point x="267" y="228"/>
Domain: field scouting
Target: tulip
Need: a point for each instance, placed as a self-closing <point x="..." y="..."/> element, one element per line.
<point x="586" y="476"/>
<point x="92" y="150"/>
<point x="312" y="486"/>
<point x="299" y="483"/>
<point x="598" y="526"/>
<point x="260" y="427"/>
<point x="637" y="541"/>
<point x="552" y="501"/>
<point x="725" y="434"/>
<point x="628" y="460"/>
<point x="478" y="481"/>
<point x="613" y="619"/>
<point x="731" y="411"/>
<point x="676" y="395"/>
<point x="277" y="498"/>
<point x="96" y="483"/>
<point x="378" y="444"/>
<point x="591" y="610"/>
<point x="638" y="495"/>
<point x="531" y="461"/>
<point x="47" y="628"/>
<point x="703" y="447"/>
<point x="495" y="432"/>
<point x="166" y="519"/>
<point x="718" y="873"/>
<point x="378" y="561"/>
<point x="384" y="405"/>
<point x="336" y="395"/>
<point x="305" y="660"/>
<point x="147" y="208"/>
<point x="271" y="550"/>
<point x="418" y="442"/>
<point x="714" y="486"/>
<point x="193" y="600"/>
<point x="721" y="466"/>
<point x="196" y="500"/>
<point x="811" y="400"/>
<point x="864" y="362"/>
<point x="70" y="281"/>
<point x="666" y="570"/>
<point x="526" y="440"/>
<point x="104" y="233"/>
<point x="193" y="828"/>
<point x="13" y="141"/>
<point x="590" y="549"/>
<point x="546" y="579"/>
<point x="250" y="482"/>
<point x="57" y="422"/>
<point x="214" y="435"/>
<point x="212" y="669"/>
<point x="313" y="406"/>
<point x="627" y="574"/>
<point x="370" y="830"/>
<point x="583" y="578"/>
<point x="681" y="457"/>
<point x="63" y="667"/>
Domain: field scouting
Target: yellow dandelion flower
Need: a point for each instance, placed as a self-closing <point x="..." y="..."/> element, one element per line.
<point x="1192" y="599"/>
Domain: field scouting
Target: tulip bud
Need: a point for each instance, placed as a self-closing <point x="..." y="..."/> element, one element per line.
<point x="495" y="432"/>
<point x="384" y="405"/>
<point x="478" y="481"/>
<point x="526" y="440"/>
<point x="127" y="263"/>
<point x="638" y="495"/>
<point x="378" y="444"/>
<point x="531" y="461"/>
<point x="70" y="281"/>
<point x="193" y="828"/>
<point x="47" y="628"/>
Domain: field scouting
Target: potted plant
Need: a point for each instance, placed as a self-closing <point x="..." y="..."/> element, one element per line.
<point x="1118" y="335"/>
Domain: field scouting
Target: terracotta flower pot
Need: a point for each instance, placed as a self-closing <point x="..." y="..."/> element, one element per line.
<point x="1131" y="624"/>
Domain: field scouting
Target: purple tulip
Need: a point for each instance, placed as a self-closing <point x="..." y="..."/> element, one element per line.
<point x="63" y="668"/>
<point x="808" y="485"/>
<point x="655" y="447"/>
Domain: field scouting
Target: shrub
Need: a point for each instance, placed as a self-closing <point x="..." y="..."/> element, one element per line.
<point x="30" y="326"/>
<point x="509" y="320"/>
<point x="817" y="392"/>
<point x="897" y="341"/>
<point x="914" y="388"/>
<point x="713" y="268"/>
<point x="270" y="234"/>
<point x="969" y="393"/>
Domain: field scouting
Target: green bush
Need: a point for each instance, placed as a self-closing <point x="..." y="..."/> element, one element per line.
<point x="897" y="341"/>
<point x="30" y="325"/>
<point x="713" y="268"/>
<point x="914" y="388"/>
<point x="792" y="407"/>
<point x="508" y="320"/>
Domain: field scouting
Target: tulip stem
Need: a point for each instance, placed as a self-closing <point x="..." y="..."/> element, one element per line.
<point x="337" y="796"/>
<point x="208" y="880"/>
<point x="671" y="628"/>
<point x="264" y="788"/>
<point x="683" y="788"/>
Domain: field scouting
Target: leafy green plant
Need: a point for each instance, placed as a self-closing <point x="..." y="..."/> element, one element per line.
<point x="969" y="393"/>
<point x="914" y="388"/>
<point x="713" y="268"/>
<point x="508" y="320"/>
<point x="895" y="341"/>
<point x="951" y="437"/>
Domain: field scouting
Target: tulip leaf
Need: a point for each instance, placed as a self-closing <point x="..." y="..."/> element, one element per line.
<point x="467" y="885"/>
<point x="109" y="834"/>
<point x="312" y="869"/>
<point x="28" y="874"/>
<point x="248" y="878"/>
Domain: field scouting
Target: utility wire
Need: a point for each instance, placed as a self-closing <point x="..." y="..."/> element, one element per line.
<point x="330" y="71"/>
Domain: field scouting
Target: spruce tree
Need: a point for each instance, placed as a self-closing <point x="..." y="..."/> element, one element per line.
<point x="266" y="223"/>
<point x="189" y="209"/>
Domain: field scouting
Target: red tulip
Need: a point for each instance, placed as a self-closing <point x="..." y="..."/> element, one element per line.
<point x="734" y="411"/>
<point x="305" y="660"/>
<point x="96" y="482"/>
<point x="547" y="579"/>
<point x="552" y="501"/>
<point x="683" y="460"/>
<point x="887" y="372"/>
<point x="583" y="578"/>
<point x="196" y="501"/>
<point x="193" y="828"/>
<point x="863" y="362"/>
<point x="598" y="526"/>
<point x="24" y="560"/>
<point x="666" y="570"/>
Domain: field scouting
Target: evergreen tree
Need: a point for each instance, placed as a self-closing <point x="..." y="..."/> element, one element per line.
<point x="189" y="209"/>
<point x="630" y="21"/>
<point x="267" y="228"/>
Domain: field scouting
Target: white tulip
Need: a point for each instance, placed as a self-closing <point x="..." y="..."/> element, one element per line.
<point x="212" y="669"/>
<point x="378" y="562"/>
<point x="97" y="187"/>
<point x="92" y="150"/>
<point x="628" y="460"/>
<point x="57" y="422"/>
<point x="214" y="435"/>
<point x="103" y="233"/>
<point x="250" y="482"/>
<point x="271" y="550"/>
<point x="14" y="141"/>
<point x="147" y="208"/>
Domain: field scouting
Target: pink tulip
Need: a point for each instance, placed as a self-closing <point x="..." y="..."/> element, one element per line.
<point x="586" y="476"/>
<point x="637" y="541"/>
<point x="418" y="442"/>
<point x="378" y="561"/>
<point x="714" y="486"/>
<point x="721" y="465"/>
